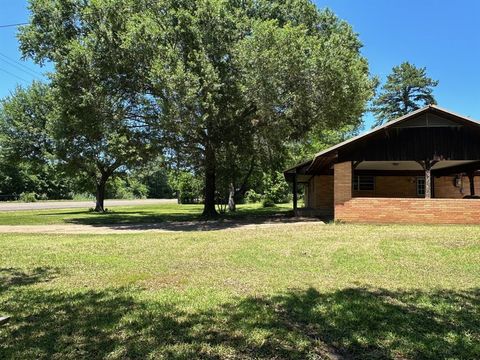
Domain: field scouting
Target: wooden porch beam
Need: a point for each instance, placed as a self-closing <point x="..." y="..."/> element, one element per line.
<point x="457" y="169"/>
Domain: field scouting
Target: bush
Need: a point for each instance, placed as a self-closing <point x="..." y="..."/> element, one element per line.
<point x="83" y="196"/>
<point x="127" y="187"/>
<point x="28" y="197"/>
<point x="188" y="187"/>
<point x="252" y="197"/>
<point x="267" y="202"/>
<point x="276" y="188"/>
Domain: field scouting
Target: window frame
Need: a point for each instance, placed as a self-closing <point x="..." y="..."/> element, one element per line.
<point x="418" y="181"/>
<point x="357" y="183"/>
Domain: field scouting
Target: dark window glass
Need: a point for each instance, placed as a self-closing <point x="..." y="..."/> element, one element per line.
<point x="420" y="186"/>
<point x="364" y="183"/>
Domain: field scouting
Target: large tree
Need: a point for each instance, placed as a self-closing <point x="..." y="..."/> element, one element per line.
<point x="408" y="88"/>
<point x="100" y="124"/>
<point x="27" y="150"/>
<point x="236" y="80"/>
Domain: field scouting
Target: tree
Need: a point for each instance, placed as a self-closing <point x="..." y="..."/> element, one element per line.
<point x="27" y="150"/>
<point x="241" y="79"/>
<point x="100" y="124"/>
<point x="407" y="89"/>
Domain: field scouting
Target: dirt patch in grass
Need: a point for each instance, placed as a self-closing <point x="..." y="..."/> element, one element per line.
<point x="169" y="226"/>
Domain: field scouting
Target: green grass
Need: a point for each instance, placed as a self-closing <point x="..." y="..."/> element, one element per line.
<point x="130" y="214"/>
<point x="286" y="292"/>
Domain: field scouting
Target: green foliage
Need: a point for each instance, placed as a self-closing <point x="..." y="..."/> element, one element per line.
<point x="85" y="196"/>
<point x="227" y="87"/>
<point x="408" y="88"/>
<point x="273" y="190"/>
<point x="27" y="149"/>
<point x="157" y="176"/>
<point x="98" y="122"/>
<point x="126" y="187"/>
<point x="235" y="81"/>
<point x="267" y="202"/>
<point x="28" y="197"/>
<point x="276" y="189"/>
<point x="189" y="188"/>
<point x="251" y="197"/>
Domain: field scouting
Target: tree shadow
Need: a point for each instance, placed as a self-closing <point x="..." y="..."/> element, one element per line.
<point x="181" y="221"/>
<point x="14" y="277"/>
<point x="356" y="323"/>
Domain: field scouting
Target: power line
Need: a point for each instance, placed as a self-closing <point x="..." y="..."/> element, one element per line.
<point x="12" y="74"/>
<point x="12" y="25"/>
<point x="29" y="73"/>
<point x="19" y="66"/>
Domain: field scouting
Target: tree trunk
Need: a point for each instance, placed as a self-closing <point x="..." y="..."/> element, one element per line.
<point x="100" y="195"/>
<point x="209" y="210"/>
<point x="231" y="198"/>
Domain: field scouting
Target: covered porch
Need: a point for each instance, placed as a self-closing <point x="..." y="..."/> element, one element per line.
<point x="431" y="176"/>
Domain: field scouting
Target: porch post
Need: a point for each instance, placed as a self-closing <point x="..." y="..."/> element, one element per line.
<point x="428" y="183"/>
<point x="295" y="185"/>
<point x="427" y="166"/>
<point x="471" y="179"/>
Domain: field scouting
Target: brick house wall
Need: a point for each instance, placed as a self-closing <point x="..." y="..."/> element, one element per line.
<point x="342" y="182"/>
<point x="409" y="211"/>
<point x="406" y="187"/>
<point x="394" y="199"/>
<point x="319" y="195"/>
<point x="444" y="187"/>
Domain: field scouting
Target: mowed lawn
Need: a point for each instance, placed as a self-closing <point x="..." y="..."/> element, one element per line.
<point x="132" y="214"/>
<point x="308" y="291"/>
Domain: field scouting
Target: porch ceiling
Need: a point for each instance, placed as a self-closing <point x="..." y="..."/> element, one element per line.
<point x="408" y="165"/>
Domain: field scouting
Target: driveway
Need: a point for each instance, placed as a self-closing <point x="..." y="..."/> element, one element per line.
<point x="68" y="204"/>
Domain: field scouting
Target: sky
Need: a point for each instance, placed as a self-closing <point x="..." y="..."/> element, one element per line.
<point x="441" y="35"/>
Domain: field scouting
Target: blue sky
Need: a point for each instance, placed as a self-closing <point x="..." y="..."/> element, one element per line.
<point x="442" y="35"/>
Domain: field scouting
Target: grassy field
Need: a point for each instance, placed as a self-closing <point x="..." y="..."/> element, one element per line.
<point x="284" y="292"/>
<point x="131" y="214"/>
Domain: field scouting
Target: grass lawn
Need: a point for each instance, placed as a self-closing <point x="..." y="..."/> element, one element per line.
<point x="283" y="292"/>
<point x="131" y="214"/>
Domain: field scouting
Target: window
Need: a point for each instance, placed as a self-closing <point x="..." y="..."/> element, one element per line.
<point x="420" y="186"/>
<point x="364" y="183"/>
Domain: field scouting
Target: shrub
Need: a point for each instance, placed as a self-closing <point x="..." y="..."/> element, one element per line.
<point x="28" y="197"/>
<point x="252" y="197"/>
<point x="267" y="202"/>
<point x="188" y="187"/>
<point x="276" y="188"/>
<point x="83" y="196"/>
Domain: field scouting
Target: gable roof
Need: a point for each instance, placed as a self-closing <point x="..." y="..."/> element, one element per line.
<point x="430" y="108"/>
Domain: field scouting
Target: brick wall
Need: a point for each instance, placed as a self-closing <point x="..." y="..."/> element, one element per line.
<point x="342" y="182"/>
<point x="444" y="187"/>
<point x="409" y="211"/>
<point x="391" y="186"/>
<point x="320" y="194"/>
<point x="406" y="187"/>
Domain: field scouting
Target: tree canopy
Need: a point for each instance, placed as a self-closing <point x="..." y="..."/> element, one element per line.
<point x="97" y="104"/>
<point x="235" y="81"/>
<point x="226" y="87"/>
<point x="408" y="88"/>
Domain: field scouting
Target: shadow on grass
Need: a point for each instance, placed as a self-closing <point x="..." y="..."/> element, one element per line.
<point x="182" y="221"/>
<point x="350" y="323"/>
<point x="13" y="277"/>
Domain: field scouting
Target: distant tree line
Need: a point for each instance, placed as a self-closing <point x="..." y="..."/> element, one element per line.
<point x="199" y="99"/>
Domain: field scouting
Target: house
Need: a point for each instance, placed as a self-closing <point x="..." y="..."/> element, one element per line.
<point x="419" y="168"/>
